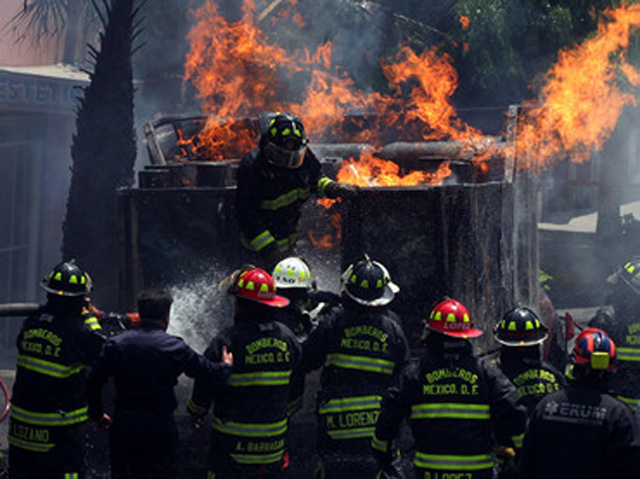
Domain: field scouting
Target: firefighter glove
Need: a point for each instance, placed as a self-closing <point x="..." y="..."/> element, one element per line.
<point x="344" y="190"/>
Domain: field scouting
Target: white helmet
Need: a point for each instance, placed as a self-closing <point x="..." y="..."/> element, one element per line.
<point x="293" y="272"/>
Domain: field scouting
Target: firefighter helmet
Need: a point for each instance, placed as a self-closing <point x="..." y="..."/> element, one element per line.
<point x="520" y="327"/>
<point x="293" y="272"/>
<point x="286" y="143"/>
<point x="595" y="350"/>
<point x="452" y="318"/>
<point x="368" y="282"/>
<point x="67" y="279"/>
<point x="258" y="285"/>
<point x="630" y="274"/>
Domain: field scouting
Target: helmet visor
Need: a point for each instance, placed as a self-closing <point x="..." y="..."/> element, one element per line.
<point x="285" y="157"/>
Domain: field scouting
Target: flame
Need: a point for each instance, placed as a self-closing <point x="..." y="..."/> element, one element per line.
<point x="371" y="171"/>
<point x="238" y="72"/>
<point x="329" y="240"/>
<point x="464" y="22"/>
<point x="580" y="101"/>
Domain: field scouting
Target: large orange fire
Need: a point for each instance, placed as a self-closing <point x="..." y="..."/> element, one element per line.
<point x="581" y="99"/>
<point x="238" y="71"/>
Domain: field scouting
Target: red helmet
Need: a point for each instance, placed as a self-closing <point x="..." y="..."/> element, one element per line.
<point x="258" y="285"/>
<point x="451" y="317"/>
<point x="594" y="349"/>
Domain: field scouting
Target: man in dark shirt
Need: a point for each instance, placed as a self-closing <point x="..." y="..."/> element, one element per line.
<point x="145" y="364"/>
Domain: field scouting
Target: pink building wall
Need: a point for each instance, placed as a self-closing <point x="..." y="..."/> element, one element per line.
<point x="24" y="54"/>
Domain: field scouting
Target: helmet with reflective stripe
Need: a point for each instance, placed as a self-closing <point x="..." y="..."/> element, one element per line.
<point x="452" y="318"/>
<point x="368" y="282"/>
<point x="67" y="279"/>
<point x="258" y="285"/>
<point x="293" y="272"/>
<point x="595" y="350"/>
<point x="286" y="142"/>
<point x="630" y="274"/>
<point x="520" y="327"/>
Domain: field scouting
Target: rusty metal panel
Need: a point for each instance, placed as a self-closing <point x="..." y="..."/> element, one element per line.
<point x="436" y="241"/>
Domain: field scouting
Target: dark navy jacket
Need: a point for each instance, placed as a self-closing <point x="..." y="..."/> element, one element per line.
<point x="145" y="363"/>
<point x="581" y="432"/>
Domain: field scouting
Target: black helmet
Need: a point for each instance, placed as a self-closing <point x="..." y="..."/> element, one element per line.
<point x="630" y="274"/>
<point x="286" y="142"/>
<point x="67" y="279"/>
<point x="368" y="282"/>
<point x="520" y="327"/>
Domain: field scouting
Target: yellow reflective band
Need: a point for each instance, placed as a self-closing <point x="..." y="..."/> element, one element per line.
<point x="30" y="446"/>
<point x="260" y="378"/>
<point x="71" y="475"/>
<point x="350" y="404"/>
<point x="450" y="411"/>
<point x="287" y="243"/>
<point x="268" y="429"/>
<point x="48" y="368"/>
<point x="517" y="440"/>
<point x="631" y="402"/>
<point x="443" y="462"/>
<point x="379" y="444"/>
<point x="323" y="183"/>
<point x="92" y="323"/>
<point x="61" y="418"/>
<point x="211" y="475"/>
<point x="351" y="433"/>
<point x="262" y="240"/>
<point x="361" y="363"/>
<point x="628" y="354"/>
<point x="286" y="199"/>
<point x="258" y="458"/>
<point x="58" y="276"/>
<point x="196" y="408"/>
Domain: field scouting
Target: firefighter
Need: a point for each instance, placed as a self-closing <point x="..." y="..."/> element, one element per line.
<point x="48" y="402"/>
<point x="582" y="431"/>
<point x="521" y="334"/>
<point x="249" y="420"/>
<point x="362" y="349"/>
<point x="293" y="280"/>
<point x="274" y="181"/>
<point x="620" y="319"/>
<point x="145" y="364"/>
<point x="456" y="402"/>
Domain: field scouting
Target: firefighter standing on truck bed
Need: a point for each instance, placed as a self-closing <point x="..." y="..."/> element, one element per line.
<point x="274" y="182"/>
<point x="48" y="402"/>
<point x="582" y="431"/>
<point x="362" y="349"/>
<point x="249" y="420"/>
<point x="456" y="402"/>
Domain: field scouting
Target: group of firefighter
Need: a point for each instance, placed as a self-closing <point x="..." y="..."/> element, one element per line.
<point x="379" y="404"/>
